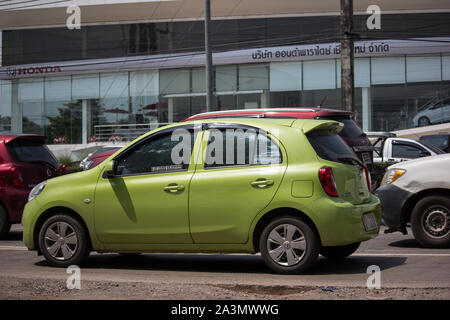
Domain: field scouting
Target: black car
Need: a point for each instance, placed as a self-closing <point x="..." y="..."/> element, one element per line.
<point x="440" y="140"/>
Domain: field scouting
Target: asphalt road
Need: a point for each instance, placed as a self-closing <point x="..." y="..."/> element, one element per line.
<point x="407" y="271"/>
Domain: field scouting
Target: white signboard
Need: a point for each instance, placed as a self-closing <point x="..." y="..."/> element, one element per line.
<point x="281" y="53"/>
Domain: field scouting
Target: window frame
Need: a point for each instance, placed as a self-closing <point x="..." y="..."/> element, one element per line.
<point x="146" y="140"/>
<point x="224" y="126"/>
<point x="407" y="144"/>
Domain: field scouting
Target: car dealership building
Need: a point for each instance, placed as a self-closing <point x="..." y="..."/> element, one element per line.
<point x="135" y="65"/>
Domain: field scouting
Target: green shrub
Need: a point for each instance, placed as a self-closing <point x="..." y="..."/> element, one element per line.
<point x="379" y="168"/>
<point x="71" y="166"/>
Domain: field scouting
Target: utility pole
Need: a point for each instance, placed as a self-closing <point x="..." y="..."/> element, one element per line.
<point x="208" y="66"/>
<point x="347" y="75"/>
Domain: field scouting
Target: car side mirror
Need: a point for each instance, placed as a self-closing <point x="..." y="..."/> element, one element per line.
<point x="424" y="154"/>
<point x="109" y="170"/>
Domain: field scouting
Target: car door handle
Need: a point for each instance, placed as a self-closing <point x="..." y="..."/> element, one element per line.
<point x="174" y="188"/>
<point x="262" y="183"/>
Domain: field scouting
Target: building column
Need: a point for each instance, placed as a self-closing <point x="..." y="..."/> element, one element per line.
<point x="366" y="109"/>
<point x="265" y="99"/>
<point x="86" y="120"/>
<point x="170" y="110"/>
<point x="16" y="108"/>
<point x="1" y="47"/>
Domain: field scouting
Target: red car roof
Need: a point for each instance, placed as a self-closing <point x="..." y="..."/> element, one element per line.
<point x="8" y="137"/>
<point x="305" y="113"/>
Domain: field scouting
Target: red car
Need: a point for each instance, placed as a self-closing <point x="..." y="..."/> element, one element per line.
<point x="351" y="133"/>
<point x="94" y="159"/>
<point x="25" y="161"/>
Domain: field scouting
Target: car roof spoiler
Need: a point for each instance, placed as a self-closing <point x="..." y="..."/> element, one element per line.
<point x="12" y="138"/>
<point x="312" y="125"/>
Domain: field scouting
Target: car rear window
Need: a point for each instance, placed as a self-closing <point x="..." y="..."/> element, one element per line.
<point x="31" y="151"/>
<point x="351" y="129"/>
<point x="330" y="146"/>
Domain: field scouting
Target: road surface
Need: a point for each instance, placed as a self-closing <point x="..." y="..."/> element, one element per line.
<point x="407" y="272"/>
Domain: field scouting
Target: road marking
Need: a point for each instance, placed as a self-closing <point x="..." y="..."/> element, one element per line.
<point x="401" y="255"/>
<point x="13" y="248"/>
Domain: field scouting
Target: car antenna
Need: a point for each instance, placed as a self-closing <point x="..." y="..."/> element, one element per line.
<point x="322" y="101"/>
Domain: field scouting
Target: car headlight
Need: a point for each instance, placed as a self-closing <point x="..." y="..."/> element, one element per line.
<point x="392" y="175"/>
<point x="36" y="190"/>
<point x="87" y="164"/>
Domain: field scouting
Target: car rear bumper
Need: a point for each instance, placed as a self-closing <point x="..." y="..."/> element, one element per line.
<point x="393" y="200"/>
<point x="341" y="222"/>
<point x="15" y="199"/>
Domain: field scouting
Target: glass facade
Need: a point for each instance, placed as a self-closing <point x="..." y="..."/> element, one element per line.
<point x="392" y="92"/>
<point x="122" y="40"/>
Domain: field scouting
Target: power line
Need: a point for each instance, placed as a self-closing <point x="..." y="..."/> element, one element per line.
<point x="36" y="5"/>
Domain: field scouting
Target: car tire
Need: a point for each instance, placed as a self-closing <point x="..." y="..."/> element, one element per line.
<point x="339" y="252"/>
<point x="430" y="221"/>
<point x="423" y="121"/>
<point x="289" y="245"/>
<point x="5" y="225"/>
<point x="63" y="241"/>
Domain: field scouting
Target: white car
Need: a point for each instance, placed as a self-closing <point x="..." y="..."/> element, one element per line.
<point x="417" y="192"/>
<point x="437" y="113"/>
<point x="402" y="149"/>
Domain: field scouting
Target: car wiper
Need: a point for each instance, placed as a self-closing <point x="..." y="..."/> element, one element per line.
<point x="351" y="161"/>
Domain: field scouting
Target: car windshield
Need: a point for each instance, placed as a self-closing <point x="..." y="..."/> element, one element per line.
<point x="351" y="129"/>
<point x="330" y="146"/>
<point x="31" y="151"/>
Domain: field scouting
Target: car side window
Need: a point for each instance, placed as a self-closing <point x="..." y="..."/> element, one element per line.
<point x="238" y="147"/>
<point x="405" y="151"/>
<point x="160" y="154"/>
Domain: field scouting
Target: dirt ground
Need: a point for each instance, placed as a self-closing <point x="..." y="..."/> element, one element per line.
<point x="42" y="289"/>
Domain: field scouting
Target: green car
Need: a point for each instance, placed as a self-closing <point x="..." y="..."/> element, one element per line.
<point x="289" y="189"/>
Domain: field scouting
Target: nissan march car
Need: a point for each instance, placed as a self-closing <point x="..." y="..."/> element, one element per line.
<point x="289" y="189"/>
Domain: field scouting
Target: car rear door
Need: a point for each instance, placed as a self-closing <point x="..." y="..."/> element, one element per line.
<point x="238" y="175"/>
<point x="349" y="173"/>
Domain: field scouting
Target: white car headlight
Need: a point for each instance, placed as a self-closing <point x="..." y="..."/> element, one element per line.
<point x="36" y="190"/>
<point x="87" y="164"/>
<point x="391" y="175"/>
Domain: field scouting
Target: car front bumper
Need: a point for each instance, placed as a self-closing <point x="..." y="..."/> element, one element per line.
<point x="393" y="200"/>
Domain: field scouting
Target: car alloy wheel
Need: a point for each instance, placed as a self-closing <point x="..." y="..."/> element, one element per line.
<point x="61" y="241"/>
<point x="64" y="241"/>
<point x="286" y="244"/>
<point x="289" y="245"/>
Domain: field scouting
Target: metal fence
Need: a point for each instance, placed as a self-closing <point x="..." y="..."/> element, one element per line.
<point x="122" y="132"/>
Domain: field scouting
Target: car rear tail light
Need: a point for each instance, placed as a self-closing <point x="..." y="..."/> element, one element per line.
<point x="62" y="169"/>
<point x="368" y="178"/>
<point x="326" y="178"/>
<point x="16" y="178"/>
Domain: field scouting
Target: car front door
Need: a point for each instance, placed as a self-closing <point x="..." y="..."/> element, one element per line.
<point x="240" y="173"/>
<point x="402" y="151"/>
<point x="146" y="200"/>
